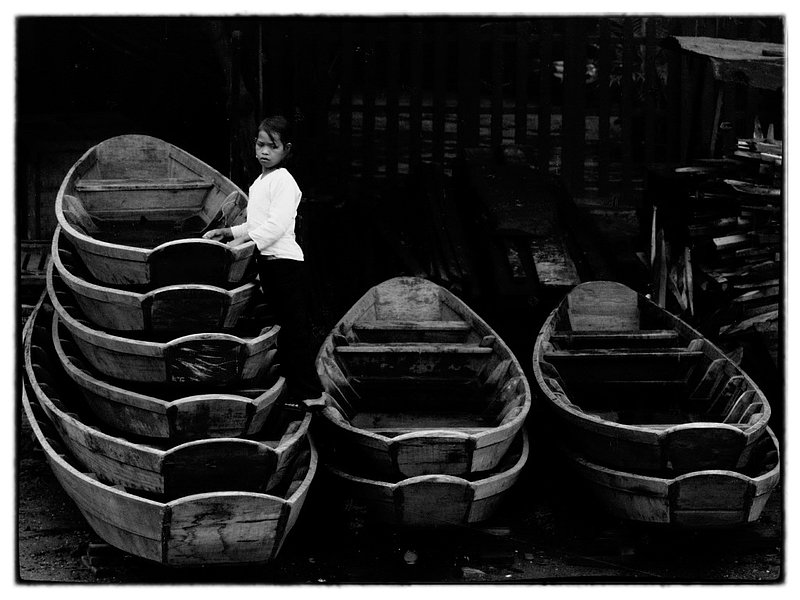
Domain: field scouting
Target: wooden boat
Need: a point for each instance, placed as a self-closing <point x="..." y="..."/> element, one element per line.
<point x="635" y="388"/>
<point x="135" y="207"/>
<point x="187" y="307"/>
<point x="699" y="499"/>
<point x="419" y="384"/>
<point x="209" y="528"/>
<point x="169" y="413"/>
<point x="171" y="470"/>
<point x="434" y="500"/>
<point x="213" y="358"/>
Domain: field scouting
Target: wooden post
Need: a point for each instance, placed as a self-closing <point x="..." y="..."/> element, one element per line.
<point x="392" y="99"/>
<point x="469" y="91"/>
<point x="626" y="111"/>
<point x="521" y="87"/>
<point x="605" y="65"/>
<point x="415" y="101"/>
<point x="496" y="126"/>
<point x="439" y="91"/>
<point x="573" y="120"/>
<point x="545" y="95"/>
<point x="346" y="104"/>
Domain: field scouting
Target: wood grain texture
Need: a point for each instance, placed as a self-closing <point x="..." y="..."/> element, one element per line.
<point x="216" y="358"/>
<point x="140" y="179"/>
<point x="660" y="405"/>
<point x="418" y="384"/>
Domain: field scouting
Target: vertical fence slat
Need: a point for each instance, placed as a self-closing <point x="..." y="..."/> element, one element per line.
<point x="498" y="76"/>
<point x="573" y="120"/>
<point x="652" y="87"/>
<point x="345" y="154"/>
<point x="440" y="45"/>
<point x="370" y="39"/>
<point x="543" y="129"/>
<point x="605" y="64"/>
<point x="469" y="90"/>
<point x="626" y="110"/>
<point x="521" y="83"/>
<point x="415" y="100"/>
<point x="392" y="99"/>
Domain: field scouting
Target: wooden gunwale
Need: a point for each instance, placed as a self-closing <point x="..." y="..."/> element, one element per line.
<point x="120" y="309"/>
<point x="142" y="465"/>
<point x="456" y="449"/>
<point x="132" y="262"/>
<point x="706" y="498"/>
<point x="645" y="447"/>
<point x="437" y="499"/>
<point x="224" y="528"/>
<point x="149" y="415"/>
<point x="142" y="360"/>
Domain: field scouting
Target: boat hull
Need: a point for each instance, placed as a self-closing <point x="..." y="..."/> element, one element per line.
<point x="436" y="500"/>
<point x="137" y="183"/>
<point x="214" y="358"/>
<point x="185" y="308"/>
<point x="634" y="388"/>
<point x="418" y="384"/>
<point x="707" y="499"/>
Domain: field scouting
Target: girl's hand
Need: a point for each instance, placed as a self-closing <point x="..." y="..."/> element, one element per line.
<point x="217" y="234"/>
<point x="239" y="241"/>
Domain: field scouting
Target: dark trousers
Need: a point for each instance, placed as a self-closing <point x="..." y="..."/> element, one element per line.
<point x="284" y="284"/>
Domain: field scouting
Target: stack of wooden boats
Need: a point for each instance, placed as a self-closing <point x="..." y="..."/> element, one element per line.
<point x="425" y="407"/>
<point x="149" y="376"/>
<point x="657" y="422"/>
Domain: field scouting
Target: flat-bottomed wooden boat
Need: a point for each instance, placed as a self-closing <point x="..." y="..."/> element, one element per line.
<point x="214" y="358"/>
<point x="434" y="500"/>
<point x="209" y="528"/>
<point x="704" y="499"/>
<point x="169" y="413"/>
<point x="167" y="468"/>
<point x="419" y="384"/>
<point x="182" y="308"/>
<point x="635" y="388"/>
<point x="135" y="207"/>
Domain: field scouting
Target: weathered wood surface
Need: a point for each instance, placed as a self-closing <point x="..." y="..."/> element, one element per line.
<point x="660" y="407"/>
<point x="142" y="186"/>
<point x="214" y="358"/>
<point x="169" y="414"/>
<point x="186" y="308"/>
<point x="171" y="470"/>
<point x="699" y="499"/>
<point x="405" y="397"/>
<point x="434" y="500"/>
<point x="213" y="528"/>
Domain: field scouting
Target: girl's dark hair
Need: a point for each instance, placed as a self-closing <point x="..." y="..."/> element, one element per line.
<point x="278" y="124"/>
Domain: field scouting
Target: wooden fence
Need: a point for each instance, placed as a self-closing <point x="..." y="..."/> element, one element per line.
<point x="595" y="99"/>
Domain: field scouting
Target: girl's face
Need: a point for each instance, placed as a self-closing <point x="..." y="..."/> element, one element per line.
<point x="270" y="150"/>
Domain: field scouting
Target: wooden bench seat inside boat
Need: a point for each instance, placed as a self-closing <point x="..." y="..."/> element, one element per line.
<point x="412" y="331"/>
<point x="413" y="359"/>
<point x="168" y="184"/>
<point x="654" y="338"/>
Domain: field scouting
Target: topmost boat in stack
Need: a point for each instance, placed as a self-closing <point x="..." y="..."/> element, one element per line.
<point x="637" y="389"/>
<point x="135" y="208"/>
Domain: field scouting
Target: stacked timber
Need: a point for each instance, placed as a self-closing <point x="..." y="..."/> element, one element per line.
<point x="717" y="240"/>
<point x="150" y="378"/>
<point x="657" y="421"/>
<point x="425" y="407"/>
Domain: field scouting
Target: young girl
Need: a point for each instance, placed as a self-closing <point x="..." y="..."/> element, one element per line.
<point x="271" y="213"/>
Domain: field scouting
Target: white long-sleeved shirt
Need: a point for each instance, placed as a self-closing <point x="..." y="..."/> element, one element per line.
<point x="271" y="215"/>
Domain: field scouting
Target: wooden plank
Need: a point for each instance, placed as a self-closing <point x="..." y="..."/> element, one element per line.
<point x="416" y="65"/>
<point x="603" y="307"/>
<point x="616" y="339"/>
<point x="543" y="133"/>
<point x="626" y="111"/>
<point x="604" y="68"/>
<point x="573" y="124"/>
<point x="394" y="52"/>
<point x="523" y="32"/>
<point x="498" y="76"/>
<point x="440" y="69"/>
<point x="468" y="83"/>
<point x="135" y="184"/>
